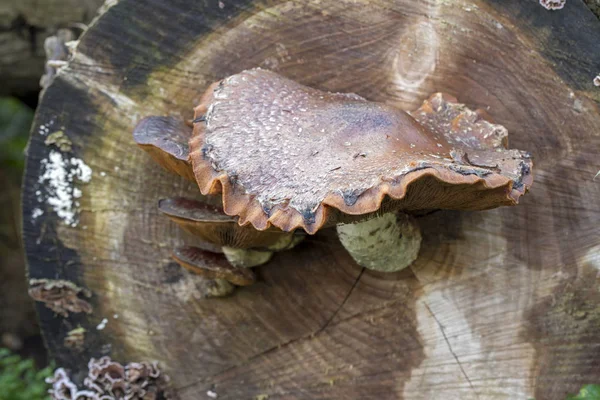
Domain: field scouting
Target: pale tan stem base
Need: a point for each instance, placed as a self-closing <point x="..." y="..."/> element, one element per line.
<point x="217" y="288"/>
<point x="286" y="242"/>
<point x="387" y="243"/>
<point x="246" y="258"/>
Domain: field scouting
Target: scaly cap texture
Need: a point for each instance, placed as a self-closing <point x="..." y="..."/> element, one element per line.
<point x="291" y="156"/>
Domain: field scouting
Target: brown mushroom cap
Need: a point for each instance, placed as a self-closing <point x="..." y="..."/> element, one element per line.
<point x="287" y="155"/>
<point x="166" y="140"/>
<point x="212" y="225"/>
<point x="212" y="266"/>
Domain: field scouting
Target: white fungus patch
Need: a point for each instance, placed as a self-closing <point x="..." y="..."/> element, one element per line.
<point x="102" y="324"/>
<point x="211" y="394"/>
<point x="36" y="213"/>
<point x="43" y="130"/>
<point x="58" y="174"/>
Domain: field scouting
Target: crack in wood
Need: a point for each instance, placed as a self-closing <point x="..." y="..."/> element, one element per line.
<point x="451" y="351"/>
<point x="300" y="339"/>
<point x="343" y="303"/>
<point x="288" y="343"/>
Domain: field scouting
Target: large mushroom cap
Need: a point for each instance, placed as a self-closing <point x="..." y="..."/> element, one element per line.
<point x="288" y="155"/>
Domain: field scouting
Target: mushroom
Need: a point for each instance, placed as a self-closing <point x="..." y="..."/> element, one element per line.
<point x="211" y="266"/>
<point x="243" y="246"/>
<point x="286" y="157"/>
<point x="165" y="139"/>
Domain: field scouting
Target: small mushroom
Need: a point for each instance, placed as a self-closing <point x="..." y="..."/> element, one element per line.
<point x="212" y="266"/>
<point x="243" y="246"/>
<point x="166" y="140"/>
<point x="286" y="156"/>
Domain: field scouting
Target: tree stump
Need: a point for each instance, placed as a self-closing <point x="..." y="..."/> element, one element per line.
<point x="24" y="26"/>
<point x="501" y="304"/>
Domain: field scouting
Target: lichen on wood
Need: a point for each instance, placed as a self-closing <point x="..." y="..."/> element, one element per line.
<point x="109" y="380"/>
<point x="62" y="297"/>
<point x="553" y="4"/>
<point x="60" y="140"/>
<point x="75" y="339"/>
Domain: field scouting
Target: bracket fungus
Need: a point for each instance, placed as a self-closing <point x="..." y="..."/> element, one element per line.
<point x="288" y="158"/>
<point x="553" y="4"/>
<point x="109" y="380"/>
<point x="62" y="297"/>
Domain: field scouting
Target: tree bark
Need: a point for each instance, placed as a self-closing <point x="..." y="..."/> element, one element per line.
<point x="499" y="304"/>
<point x="24" y="26"/>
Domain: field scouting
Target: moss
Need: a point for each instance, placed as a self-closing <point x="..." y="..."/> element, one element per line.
<point x="588" y="392"/>
<point x="20" y="379"/>
<point x="15" y="121"/>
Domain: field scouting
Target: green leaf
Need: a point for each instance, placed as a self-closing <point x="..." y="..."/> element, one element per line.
<point x="20" y="380"/>
<point x="15" y="123"/>
<point x="588" y="392"/>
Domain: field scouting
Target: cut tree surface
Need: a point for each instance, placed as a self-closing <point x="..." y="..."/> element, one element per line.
<point x="500" y="304"/>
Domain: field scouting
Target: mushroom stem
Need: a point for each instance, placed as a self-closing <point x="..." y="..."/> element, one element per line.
<point x="386" y="243"/>
<point x="217" y="288"/>
<point x="246" y="258"/>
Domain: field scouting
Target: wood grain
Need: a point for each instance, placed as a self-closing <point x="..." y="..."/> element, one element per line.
<point x="500" y="304"/>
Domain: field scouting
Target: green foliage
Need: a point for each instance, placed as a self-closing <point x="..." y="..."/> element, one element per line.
<point x="15" y="122"/>
<point x="20" y="380"/>
<point x="588" y="392"/>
